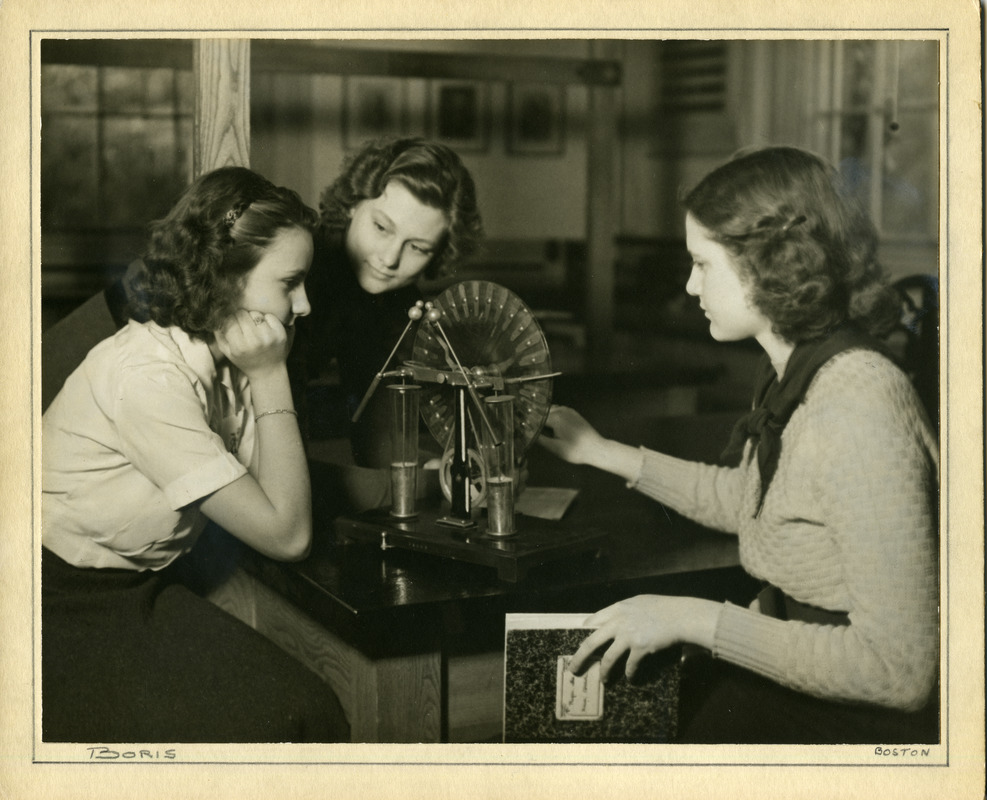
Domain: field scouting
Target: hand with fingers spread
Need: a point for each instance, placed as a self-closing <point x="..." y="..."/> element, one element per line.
<point x="570" y="437"/>
<point x="254" y="342"/>
<point x="642" y="625"/>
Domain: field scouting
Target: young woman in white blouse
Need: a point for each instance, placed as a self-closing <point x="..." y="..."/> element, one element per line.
<point x="180" y="418"/>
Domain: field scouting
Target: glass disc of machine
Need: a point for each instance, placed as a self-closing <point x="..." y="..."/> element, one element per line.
<point x="492" y="333"/>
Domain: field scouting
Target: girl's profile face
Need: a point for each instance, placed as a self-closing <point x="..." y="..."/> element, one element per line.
<point x="392" y="238"/>
<point x="722" y="293"/>
<point x="276" y="285"/>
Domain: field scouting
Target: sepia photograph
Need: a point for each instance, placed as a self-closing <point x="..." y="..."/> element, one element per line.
<point x="574" y="404"/>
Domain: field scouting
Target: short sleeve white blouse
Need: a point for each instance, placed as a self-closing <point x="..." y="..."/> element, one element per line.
<point x="142" y="431"/>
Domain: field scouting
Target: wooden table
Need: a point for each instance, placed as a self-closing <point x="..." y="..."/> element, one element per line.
<point x="412" y="643"/>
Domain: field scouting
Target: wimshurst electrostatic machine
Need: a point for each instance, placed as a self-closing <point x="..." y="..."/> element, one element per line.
<point x="481" y="379"/>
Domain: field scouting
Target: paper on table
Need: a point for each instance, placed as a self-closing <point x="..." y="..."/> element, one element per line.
<point x="545" y="502"/>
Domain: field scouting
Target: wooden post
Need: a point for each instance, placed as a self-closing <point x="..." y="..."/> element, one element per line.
<point x="222" y="104"/>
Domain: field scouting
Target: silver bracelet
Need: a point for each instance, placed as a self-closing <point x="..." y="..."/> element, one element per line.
<point x="276" y="411"/>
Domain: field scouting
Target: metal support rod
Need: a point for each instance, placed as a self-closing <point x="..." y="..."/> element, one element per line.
<point x="466" y="378"/>
<point x="459" y="477"/>
<point x="380" y="375"/>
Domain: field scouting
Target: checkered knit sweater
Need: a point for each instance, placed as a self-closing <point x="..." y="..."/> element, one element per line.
<point x="848" y="525"/>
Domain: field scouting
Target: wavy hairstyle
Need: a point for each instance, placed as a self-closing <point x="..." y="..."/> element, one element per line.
<point x="197" y="258"/>
<point x="802" y="243"/>
<point x="432" y="172"/>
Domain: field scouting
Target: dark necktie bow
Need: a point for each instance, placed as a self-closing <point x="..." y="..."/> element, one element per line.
<point x="775" y="401"/>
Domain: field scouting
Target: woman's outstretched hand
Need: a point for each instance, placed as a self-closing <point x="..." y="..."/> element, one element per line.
<point x="570" y="437"/>
<point x="642" y="625"/>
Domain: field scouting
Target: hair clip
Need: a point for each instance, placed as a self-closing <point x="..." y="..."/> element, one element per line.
<point x="234" y="214"/>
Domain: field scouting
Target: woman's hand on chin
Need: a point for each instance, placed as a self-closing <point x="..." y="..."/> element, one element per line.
<point x="253" y="341"/>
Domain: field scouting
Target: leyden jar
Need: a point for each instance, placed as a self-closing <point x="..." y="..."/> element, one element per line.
<point x="404" y="448"/>
<point x="497" y="446"/>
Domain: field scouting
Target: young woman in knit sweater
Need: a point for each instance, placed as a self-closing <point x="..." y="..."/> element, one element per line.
<point x="830" y="482"/>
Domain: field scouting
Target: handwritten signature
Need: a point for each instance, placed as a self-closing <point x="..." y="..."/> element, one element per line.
<point x="101" y="753"/>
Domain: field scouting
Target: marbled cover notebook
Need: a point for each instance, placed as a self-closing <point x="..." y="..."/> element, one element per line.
<point x="544" y="702"/>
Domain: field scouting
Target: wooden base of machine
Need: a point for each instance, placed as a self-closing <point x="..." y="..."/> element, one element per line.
<point x="537" y="541"/>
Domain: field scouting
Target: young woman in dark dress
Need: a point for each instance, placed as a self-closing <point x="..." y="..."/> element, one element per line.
<point x="402" y="209"/>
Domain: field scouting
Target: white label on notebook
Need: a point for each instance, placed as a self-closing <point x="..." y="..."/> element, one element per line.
<point x="578" y="697"/>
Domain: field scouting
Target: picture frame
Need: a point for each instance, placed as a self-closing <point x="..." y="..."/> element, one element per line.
<point x="373" y="107"/>
<point x="535" y="119"/>
<point x="459" y="114"/>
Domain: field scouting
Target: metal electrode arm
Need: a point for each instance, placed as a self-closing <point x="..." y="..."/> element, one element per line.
<point x="433" y="317"/>
<point x="414" y="314"/>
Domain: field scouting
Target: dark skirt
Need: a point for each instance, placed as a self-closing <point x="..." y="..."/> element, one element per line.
<point x="139" y="657"/>
<point x="722" y="703"/>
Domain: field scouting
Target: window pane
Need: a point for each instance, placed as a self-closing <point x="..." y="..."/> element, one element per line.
<point x="910" y="190"/>
<point x="185" y="92"/>
<point x="183" y="151"/>
<point x="918" y="73"/>
<point x="855" y="160"/>
<point x="693" y="76"/>
<point x="140" y="179"/>
<point x="160" y="86"/>
<point x="854" y="136"/>
<point x="68" y="170"/>
<point x="858" y="76"/>
<point x="68" y="88"/>
<point x="122" y="90"/>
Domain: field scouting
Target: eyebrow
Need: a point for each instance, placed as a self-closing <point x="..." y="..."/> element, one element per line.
<point x="378" y="212"/>
<point x="295" y="274"/>
<point x="418" y="239"/>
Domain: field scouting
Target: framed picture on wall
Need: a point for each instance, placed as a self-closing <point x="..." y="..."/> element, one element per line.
<point x="373" y="107"/>
<point x="535" y="119"/>
<point x="459" y="114"/>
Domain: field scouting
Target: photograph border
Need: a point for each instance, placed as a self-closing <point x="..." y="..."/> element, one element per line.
<point x="961" y="227"/>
